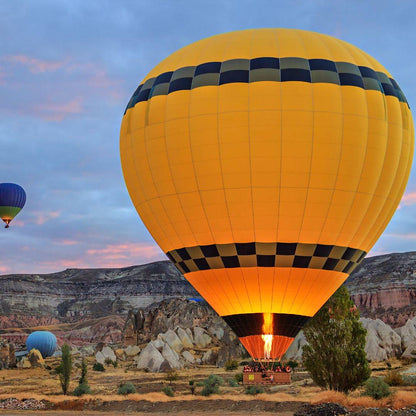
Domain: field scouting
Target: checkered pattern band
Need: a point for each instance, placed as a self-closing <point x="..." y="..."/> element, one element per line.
<point x="298" y="255"/>
<point x="267" y="69"/>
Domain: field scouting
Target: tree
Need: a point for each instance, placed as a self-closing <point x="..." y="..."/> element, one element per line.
<point x="84" y="370"/>
<point x="335" y="356"/>
<point x="65" y="368"/>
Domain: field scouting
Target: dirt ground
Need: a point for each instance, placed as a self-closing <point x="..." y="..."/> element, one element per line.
<point x="43" y="384"/>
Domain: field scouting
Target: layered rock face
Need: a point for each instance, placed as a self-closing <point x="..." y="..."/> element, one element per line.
<point x="384" y="287"/>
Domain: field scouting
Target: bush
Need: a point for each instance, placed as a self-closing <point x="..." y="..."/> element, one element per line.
<point x="172" y="375"/>
<point x="211" y="385"/>
<point x="81" y="389"/>
<point x="98" y="367"/>
<point x="376" y="388"/>
<point x="168" y="391"/>
<point x="232" y="382"/>
<point x="238" y="377"/>
<point x="393" y="378"/>
<point x="231" y="365"/>
<point x="409" y="380"/>
<point x="293" y="364"/>
<point x="254" y="390"/>
<point x="126" y="388"/>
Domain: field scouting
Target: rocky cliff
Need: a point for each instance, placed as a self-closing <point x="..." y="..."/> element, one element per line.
<point x="384" y="287"/>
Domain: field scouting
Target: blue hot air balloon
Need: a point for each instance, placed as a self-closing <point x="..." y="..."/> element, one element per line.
<point x="12" y="200"/>
<point x="44" y="341"/>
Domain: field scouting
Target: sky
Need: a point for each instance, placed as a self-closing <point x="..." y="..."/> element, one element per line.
<point x="68" y="69"/>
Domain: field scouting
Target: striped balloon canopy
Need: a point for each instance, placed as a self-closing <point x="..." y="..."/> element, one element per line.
<point x="266" y="163"/>
<point x="12" y="200"/>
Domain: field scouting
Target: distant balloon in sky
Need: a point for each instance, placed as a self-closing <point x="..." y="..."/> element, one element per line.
<point x="12" y="200"/>
<point x="44" y="341"/>
<point x="266" y="163"/>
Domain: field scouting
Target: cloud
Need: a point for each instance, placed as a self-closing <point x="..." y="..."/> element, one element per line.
<point x="35" y="65"/>
<point x="408" y="199"/>
<point x="404" y="236"/>
<point x="42" y="217"/>
<point x="67" y="242"/>
<point x="58" y="111"/>
<point x="129" y="252"/>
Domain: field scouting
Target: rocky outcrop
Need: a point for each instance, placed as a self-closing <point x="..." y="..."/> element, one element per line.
<point x="7" y="355"/>
<point x="384" y="287"/>
<point x="35" y="358"/>
<point x="407" y="333"/>
<point x="294" y="352"/>
<point x="382" y="342"/>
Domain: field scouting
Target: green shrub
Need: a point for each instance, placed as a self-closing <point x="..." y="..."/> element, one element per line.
<point x="81" y="389"/>
<point x="172" y="375"/>
<point x="126" y="388"/>
<point x="168" y="391"/>
<point x="98" y="367"/>
<point x="376" y="388"/>
<point x="409" y="380"/>
<point x="245" y="362"/>
<point x="231" y="365"/>
<point x="293" y="364"/>
<point x="211" y="385"/>
<point x="238" y="377"/>
<point x="232" y="382"/>
<point x="254" y="390"/>
<point x="393" y="378"/>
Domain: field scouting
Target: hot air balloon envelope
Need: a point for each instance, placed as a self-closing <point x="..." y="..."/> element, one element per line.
<point x="44" y="341"/>
<point x="12" y="200"/>
<point x="266" y="163"/>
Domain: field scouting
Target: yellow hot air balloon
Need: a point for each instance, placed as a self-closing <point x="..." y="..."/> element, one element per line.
<point x="266" y="163"/>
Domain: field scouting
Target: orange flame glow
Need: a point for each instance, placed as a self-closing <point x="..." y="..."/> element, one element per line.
<point x="267" y="336"/>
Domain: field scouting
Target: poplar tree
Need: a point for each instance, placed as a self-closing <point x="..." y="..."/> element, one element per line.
<point x="65" y="368"/>
<point x="335" y="356"/>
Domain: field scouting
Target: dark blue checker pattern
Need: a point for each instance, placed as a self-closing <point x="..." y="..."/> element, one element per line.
<point x="267" y="69"/>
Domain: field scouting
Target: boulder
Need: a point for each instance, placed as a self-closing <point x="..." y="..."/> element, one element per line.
<point x="99" y="357"/>
<point x="151" y="359"/>
<point x="410" y="351"/>
<point x="190" y="334"/>
<point x="173" y="340"/>
<point x="158" y="343"/>
<point x="35" y="358"/>
<point x="132" y="350"/>
<point x="210" y="357"/>
<point x="201" y="339"/>
<point x="171" y="357"/>
<point x="24" y="363"/>
<point x="294" y="352"/>
<point x="108" y="354"/>
<point x="217" y="331"/>
<point x="407" y="333"/>
<point x="184" y="337"/>
<point x="120" y="354"/>
<point x="382" y="342"/>
<point x="188" y="357"/>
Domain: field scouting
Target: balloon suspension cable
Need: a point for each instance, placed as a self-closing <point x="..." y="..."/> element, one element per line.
<point x="7" y="223"/>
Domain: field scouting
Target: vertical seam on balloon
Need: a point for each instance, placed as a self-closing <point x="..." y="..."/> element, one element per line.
<point x="141" y="183"/>
<point x="385" y="115"/>
<point x="310" y="171"/>
<point x="153" y="179"/>
<point x="347" y="243"/>
<point x="251" y="164"/>
<point x="221" y="169"/>
<point x="398" y="191"/>
<point x="307" y="294"/>
<point x="193" y="162"/>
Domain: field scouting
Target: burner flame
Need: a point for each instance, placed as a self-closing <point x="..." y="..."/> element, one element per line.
<point x="267" y="336"/>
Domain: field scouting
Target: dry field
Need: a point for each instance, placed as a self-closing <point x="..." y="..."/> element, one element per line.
<point x="283" y="400"/>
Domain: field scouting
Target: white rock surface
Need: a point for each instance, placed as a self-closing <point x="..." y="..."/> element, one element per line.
<point x="294" y="352"/>
<point x="132" y="350"/>
<point x="171" y="357"/>
<point x="150" y="358"/>
<point x="201" y="338"/>
<point x="410" y="351"/>
<point x="188" y="357"/>
<point x="99" y="357"/>
<point x="382" y="342"/>
<point x="108" y="354"/>
<point x="173" y="340"/>
<point x="407" y="333"/>
<point x="184" y="337"/>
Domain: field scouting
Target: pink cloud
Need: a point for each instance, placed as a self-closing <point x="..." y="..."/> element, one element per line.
<point x="408" y="199"/>
<point x="405" y="236"/>
<point x="4" y="269"/>
<point x="67" y="242"/>
<point x="35" y="65"/>
<point x="42" y="217"/>
<point x="59" y="111"/>
<point x="125" y="252"/>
